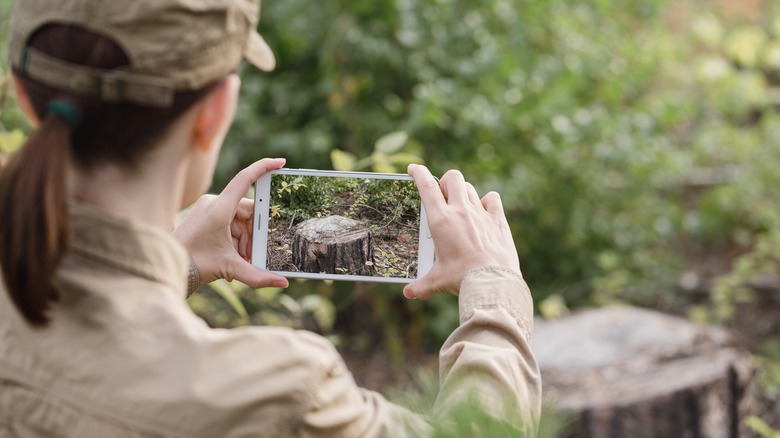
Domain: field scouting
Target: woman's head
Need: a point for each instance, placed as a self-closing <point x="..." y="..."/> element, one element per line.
<point x="126" y="71"/>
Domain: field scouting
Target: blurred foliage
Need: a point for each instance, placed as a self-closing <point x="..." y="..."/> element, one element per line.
<point x="13" y="125"/>
<point x="230" y="304"/>
<point x="546" y="102"/>
<point x="761" y="428"/>
<point x="630" y="150"/>
<point x="466" y="418"/>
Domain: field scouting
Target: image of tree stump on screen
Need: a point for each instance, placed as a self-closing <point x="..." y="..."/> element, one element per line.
<point x="343" y="226"/>
<point x="333" y="245"/>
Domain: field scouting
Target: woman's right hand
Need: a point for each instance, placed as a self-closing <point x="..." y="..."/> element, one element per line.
<point x="468" y="232"/>
<point x="217" y="231"/>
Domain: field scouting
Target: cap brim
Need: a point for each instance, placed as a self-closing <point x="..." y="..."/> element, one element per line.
<point x="258" y="53"/>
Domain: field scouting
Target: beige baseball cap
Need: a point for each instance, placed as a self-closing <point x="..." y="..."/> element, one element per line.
<point x="173" y="45"/>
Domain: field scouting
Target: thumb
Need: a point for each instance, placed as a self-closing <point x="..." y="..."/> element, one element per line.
<point x="425" y="287"/>
<point x="256" y="277"/>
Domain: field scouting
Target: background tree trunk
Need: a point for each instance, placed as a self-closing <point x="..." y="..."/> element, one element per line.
<point x="628" y="372"/>
<point x="333" y="245"/>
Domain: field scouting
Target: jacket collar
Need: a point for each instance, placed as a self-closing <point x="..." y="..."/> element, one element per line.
<point x="132" y="246"/>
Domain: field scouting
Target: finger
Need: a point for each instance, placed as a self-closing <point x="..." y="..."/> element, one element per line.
<point x="241" y="232"/>
<point x="430" y="192"/>
<point x="256" y="277"/>
<point x="244" y="246"/>
<point x="473" y="195"/>
<point x="250" y="223"/>
<point x="492" y="203"/>
<point x="238" y="186"/>
<point x="425" y="287"/>
<point x="246" y="209"/>
<point x="245" y="218"/>
<point x="453" y="185"/>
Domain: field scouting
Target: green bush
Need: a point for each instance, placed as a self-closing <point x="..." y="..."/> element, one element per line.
<point x="623" y="146"/>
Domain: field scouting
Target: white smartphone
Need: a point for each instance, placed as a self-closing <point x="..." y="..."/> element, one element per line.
<point x="355" y="226"/>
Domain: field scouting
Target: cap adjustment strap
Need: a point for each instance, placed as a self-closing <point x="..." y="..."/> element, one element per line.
<point x="113" y="86"/>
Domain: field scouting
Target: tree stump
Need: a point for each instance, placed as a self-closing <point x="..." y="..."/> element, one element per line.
<point x="628" y="372"/>
<point x="333" y="245"/>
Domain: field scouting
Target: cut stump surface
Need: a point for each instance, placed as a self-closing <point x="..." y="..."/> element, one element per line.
<point x="333" y="245"/>
<point x="628" y="372"/>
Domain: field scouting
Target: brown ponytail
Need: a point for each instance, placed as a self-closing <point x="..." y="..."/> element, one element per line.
<point x="34" y="227"/>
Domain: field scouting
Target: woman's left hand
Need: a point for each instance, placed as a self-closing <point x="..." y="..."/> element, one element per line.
<point x="217" y="231"/>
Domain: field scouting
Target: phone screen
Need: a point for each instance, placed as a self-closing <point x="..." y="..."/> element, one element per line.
<point x="359" y="226"/>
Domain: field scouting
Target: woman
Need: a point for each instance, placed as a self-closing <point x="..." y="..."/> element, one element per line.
<point x="132" y="100"/>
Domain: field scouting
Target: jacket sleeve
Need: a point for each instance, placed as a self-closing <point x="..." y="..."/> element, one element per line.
<point x="487" y="359"/>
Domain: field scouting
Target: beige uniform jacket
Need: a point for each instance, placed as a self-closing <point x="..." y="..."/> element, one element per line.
<point x="125" y="357"/>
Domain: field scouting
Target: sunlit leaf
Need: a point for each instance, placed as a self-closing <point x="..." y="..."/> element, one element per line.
<point x="226" y="291"/>
<point x="322" y="309"/>
<point x="762" y="428"/>
<point x="745" y="43"/>
<point x="554" y="306"/>
<point x="771" y="56"/>
<point x="341" y="160"/>
<point x="290" y="304"/>
<point x="381" y="163"/>
<point x="406" y="158"/>
<point x="713" y="68"/>
<point x="708" y="30"/>
<point x="11" y="141"/>
<point x="392" y="142"/>
<point x="268" y="293"/>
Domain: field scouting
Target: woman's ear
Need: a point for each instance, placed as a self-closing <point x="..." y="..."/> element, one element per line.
<point x="215" y="114"/>
<point x="24" y="100"/>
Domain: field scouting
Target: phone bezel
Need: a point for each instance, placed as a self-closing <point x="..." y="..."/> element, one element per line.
<point x="425" y="254"/>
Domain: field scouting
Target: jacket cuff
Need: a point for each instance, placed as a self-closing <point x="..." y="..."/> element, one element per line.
<point x="497" y="287"/>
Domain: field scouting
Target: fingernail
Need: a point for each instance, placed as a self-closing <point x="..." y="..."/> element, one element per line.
<point x="280" y="283"/>
<point x="408" y="294"/>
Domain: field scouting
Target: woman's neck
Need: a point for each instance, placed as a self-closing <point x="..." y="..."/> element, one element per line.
<point x="153" y="193"/>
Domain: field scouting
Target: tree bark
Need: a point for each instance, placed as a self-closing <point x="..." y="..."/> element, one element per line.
<point x="627" y="372"/>
<point x="333" y="245"/>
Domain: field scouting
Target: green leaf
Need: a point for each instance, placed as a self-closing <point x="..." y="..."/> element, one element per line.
<point x="225" y="290"/>
<point x="745" y="43"/>
<point x="760" y="427"/>
<point x="11" y="141"/>
<point x="341" y="160"/>
<point x="381" y="163"/>
<point x="554" y="306"/>
<point x="290" y="304"/>
<point x="363" y="163"/>
<point x="322" y="309"/>
<point x="406" y="158"/>
<point x="392" y="142"/>
<point x="269" y="293"/>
